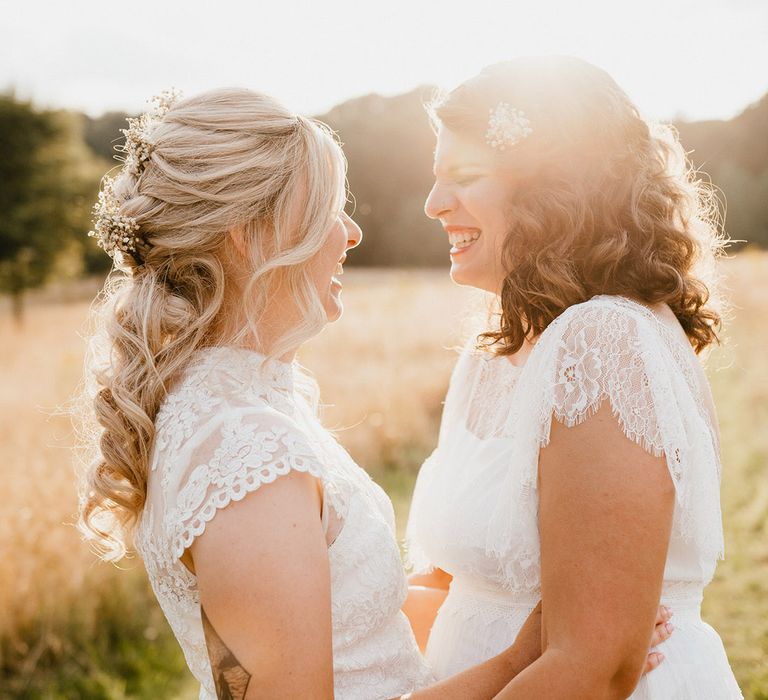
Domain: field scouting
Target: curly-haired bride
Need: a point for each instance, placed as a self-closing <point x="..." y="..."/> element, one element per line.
<point x="271" y="553"/>
<point x="578" y="457"/>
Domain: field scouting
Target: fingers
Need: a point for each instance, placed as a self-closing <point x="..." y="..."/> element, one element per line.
<point x="661" y="633"/>
<point x="663" y="613"/>
<point x="664" y="627"/>
<point x="652" y="661"/>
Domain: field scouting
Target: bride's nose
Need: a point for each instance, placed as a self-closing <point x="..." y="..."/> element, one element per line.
<point x="354" y="232"/>
<point x="440" y="201"/>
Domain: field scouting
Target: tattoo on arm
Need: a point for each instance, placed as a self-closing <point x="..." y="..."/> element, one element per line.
<point x="230" y="678"/>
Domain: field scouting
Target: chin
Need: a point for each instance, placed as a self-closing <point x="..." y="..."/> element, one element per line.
<point x="464" y="277"/>
<point x="471" y="276"/>
<point x="334" y="310"/>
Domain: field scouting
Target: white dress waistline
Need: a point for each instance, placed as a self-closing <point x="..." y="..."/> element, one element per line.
<point x="684" y="600"/>
<point x="478" y="591"/>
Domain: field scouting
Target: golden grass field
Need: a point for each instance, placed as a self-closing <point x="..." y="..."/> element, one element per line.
<point x="72" y="627"/>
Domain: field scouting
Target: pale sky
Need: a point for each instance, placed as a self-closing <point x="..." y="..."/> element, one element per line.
<point x="693" y="58"/>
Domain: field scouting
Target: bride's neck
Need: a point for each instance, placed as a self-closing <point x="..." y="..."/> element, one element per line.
<point x="232" y="328"/>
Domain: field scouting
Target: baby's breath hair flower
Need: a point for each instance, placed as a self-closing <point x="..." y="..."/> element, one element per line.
<point x="138" y="146"/>
<point x="507" y="126"/>
<point x="113" y="231"/>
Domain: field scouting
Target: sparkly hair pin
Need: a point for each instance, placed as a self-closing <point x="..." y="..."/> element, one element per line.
<point x="138" y="145"/>
<point x="507" y="126"/>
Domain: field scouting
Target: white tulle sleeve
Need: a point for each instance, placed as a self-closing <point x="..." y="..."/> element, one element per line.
<point x="236" y="454"/>
<point x="604" y="351"/>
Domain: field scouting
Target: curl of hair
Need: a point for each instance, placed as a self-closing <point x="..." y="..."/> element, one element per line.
<point x="225" y="160"/>
<point x="601" y="201"/>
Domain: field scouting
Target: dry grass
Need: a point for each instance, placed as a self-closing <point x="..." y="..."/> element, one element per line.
<point x="71" y="627"/>
<point x="384" y="368"/>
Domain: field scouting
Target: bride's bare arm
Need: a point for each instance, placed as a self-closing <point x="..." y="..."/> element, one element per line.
<point x="437" y="578"/>
<point x="605" y="515"/>
<point x="264" y="582"/>
<point x="426" y="593"/>
<point x="262" y="564"/>
<point x="265" y="594"/>
<point x="486" y="680"/>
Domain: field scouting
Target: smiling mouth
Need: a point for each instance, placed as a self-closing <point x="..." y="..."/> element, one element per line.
<point x="461" y="240"/>
<point x="339" y="271"/>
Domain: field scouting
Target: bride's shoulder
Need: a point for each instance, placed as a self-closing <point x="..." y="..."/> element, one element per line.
<point x="605" y="320"/>
<point x="215" y="399"/>
<point x="605" y="346"/>
<point x="600" y="308"/>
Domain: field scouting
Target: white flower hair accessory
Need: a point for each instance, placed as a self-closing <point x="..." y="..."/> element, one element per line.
<point x="138" y="146"/>
<point x="507" y="126"/>
<point x="113" y="231"/>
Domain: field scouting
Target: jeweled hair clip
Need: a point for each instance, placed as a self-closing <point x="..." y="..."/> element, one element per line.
<point x="507" y="126"/>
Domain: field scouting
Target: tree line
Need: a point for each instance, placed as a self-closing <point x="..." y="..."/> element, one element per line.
<point x="51" y="163"/>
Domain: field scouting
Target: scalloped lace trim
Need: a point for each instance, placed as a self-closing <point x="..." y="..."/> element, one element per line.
<point x="247" y="456"/>
<point x="241" y="486"/>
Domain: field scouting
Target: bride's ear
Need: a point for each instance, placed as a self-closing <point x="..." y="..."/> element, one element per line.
<point x="237" y="236"/>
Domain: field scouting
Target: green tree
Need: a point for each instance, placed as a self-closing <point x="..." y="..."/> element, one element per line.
<point x="389" y="143"/>
<point x="48" y="184"/>
<point x="102" y="134"/>
<point x="746" y="202"/>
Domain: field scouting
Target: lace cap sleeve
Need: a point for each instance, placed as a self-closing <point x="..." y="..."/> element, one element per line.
<point x="606" y="350"/>
<point x="237" y="455"/>
<point x="602" y="352"/>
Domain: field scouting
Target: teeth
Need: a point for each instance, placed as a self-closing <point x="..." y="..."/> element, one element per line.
<point x="457" y="239"/>
<point x="339" y="269"/>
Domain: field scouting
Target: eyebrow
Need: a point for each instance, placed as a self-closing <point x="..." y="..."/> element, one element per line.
<point x="464" y="166"/>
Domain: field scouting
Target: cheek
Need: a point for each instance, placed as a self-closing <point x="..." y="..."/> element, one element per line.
<point x="487" y="207"/>
<point x="337" y="243"/>
<point x="332" y="252"/>
<point x="322" y="270"/>
<point x="500" y="230"/>
<point x="492" y="223"/>
<point x="485" y="198"/>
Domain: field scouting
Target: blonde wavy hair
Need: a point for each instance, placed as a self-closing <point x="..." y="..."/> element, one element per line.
<point x="225" y="160"/>
<point x="603" y="201"/>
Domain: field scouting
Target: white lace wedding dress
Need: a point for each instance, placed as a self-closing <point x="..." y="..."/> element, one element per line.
<point x="231" y="426"/>
<point x="474" y="511"/>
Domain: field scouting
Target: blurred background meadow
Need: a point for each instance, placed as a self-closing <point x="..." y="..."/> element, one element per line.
<point x="74" y="627"/>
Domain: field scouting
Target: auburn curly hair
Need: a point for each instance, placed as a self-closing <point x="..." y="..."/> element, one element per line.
<point x="604" y="202"/>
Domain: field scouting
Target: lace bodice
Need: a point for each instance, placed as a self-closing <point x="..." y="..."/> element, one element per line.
<point x="475" y="506"/>
<point x="478" y="489"/>
<point x="234" y="423"/>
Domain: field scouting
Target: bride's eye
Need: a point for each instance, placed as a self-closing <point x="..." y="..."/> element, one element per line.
<point x="466" y="179"/>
